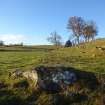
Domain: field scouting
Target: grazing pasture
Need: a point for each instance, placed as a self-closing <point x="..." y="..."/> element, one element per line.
<point x="84" y="57"/>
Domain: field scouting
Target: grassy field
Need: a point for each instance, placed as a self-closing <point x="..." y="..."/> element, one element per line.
<point x="84" y="57"/>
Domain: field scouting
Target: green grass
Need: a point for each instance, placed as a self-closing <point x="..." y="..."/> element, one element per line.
<point x="29" y="57"/>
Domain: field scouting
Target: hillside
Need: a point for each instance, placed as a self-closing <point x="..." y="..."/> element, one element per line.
<point x="89" y="56"/>
<point x="84" y="58"/>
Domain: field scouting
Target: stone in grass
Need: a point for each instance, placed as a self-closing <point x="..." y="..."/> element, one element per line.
<point x="16" y="73"/>
<point x="31" y="75"/>
<point x="53" y="80"/>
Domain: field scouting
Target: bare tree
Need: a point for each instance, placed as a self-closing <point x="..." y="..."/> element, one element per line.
<point x="76" y="24"/>
<point x="54" y="38"/>
<point x="90" y="30"/>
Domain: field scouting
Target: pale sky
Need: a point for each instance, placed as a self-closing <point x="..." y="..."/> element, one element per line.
<point x="31" y="21"/>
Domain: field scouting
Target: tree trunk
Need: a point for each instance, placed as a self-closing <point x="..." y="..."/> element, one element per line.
<point x="85" y="39"/>
<point x="78" y="39"/>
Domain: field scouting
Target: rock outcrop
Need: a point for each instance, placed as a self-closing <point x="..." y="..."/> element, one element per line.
<point x="31" y="75"/>
<point x="55" y="79"/>
<point x="52" y="79"/>
<point x="58" y="78"/>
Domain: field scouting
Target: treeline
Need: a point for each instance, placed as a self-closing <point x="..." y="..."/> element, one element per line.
<point x="3" y="44"/>
<point x="82" y="31"/>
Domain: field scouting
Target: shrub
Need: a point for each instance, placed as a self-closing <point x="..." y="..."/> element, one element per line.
<point x="68" y="43"/>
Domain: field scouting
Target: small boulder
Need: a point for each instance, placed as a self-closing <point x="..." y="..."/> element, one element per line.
<point x="31" y="75"/>
<point x="15" y="74"/>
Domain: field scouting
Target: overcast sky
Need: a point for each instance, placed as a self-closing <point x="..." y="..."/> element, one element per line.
<point x="31" y="21"/>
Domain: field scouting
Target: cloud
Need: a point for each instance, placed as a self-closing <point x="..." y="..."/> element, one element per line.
<point x="13" y="38"/>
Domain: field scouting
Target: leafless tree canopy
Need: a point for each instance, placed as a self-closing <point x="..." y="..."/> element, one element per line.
<point x="54" y="38"/>
<point x="90" y="30"/>
<point x="80" y="27"/>
<point x="76" y="24"/>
